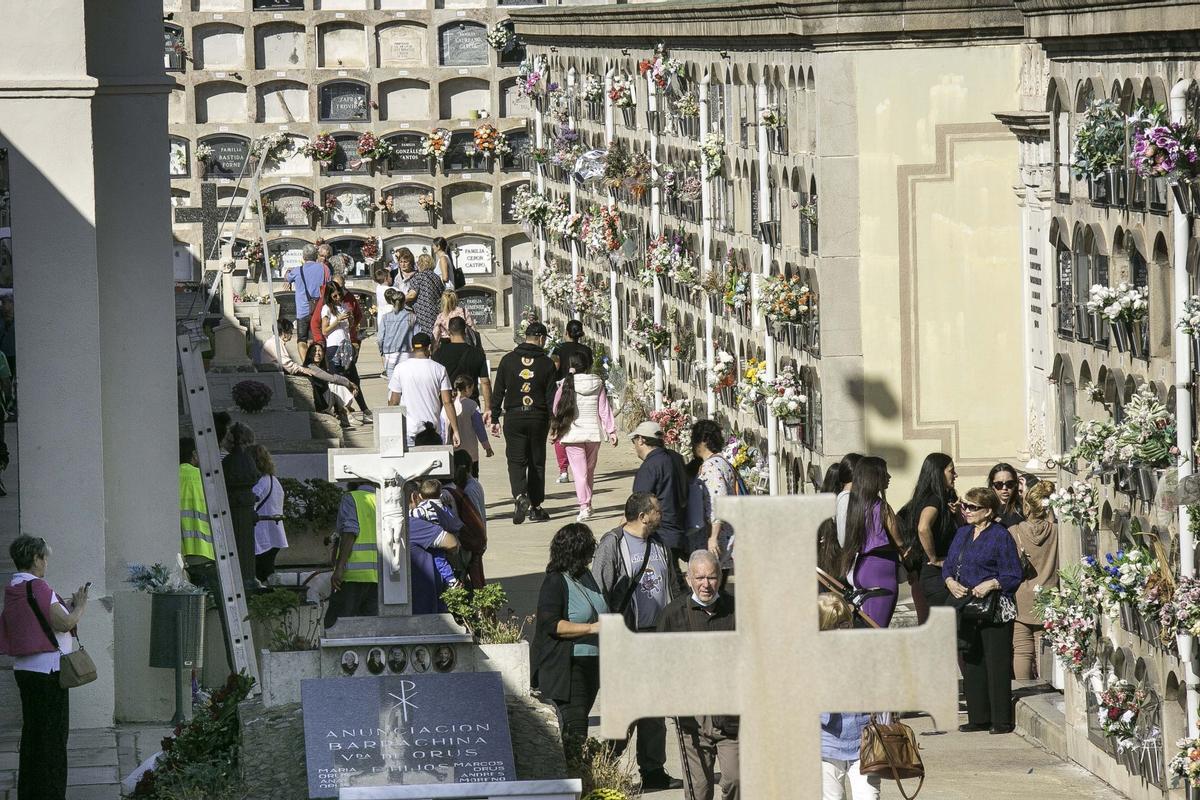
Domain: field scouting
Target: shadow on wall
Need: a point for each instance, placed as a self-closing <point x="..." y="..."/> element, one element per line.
<point x="874" y="396"/>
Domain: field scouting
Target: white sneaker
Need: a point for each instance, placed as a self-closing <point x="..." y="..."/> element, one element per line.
<point x="584" y="514"/>
<point x="563" y="477"/>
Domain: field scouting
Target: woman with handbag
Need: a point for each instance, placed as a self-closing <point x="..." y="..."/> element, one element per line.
<point x="269" y="535"/>
<point x="982" y="572"/>
<point x="1037" y="543"/>
<point x="35" y="628"/>
<point x="841" y="734"/>
<point x="871" y="552"/>
<point x="566" y="655"/>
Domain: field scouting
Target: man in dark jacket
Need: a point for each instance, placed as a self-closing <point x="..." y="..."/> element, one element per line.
<point x="705" y="741"/>
<point x="524" y="393"/>
<point x="639" y="578"/>
<point x="662" y="474"/>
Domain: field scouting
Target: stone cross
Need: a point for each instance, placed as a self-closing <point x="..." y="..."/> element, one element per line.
<point x="777" y="670"/>
<point x="210" y="215"/>
<point x="388" y="465"/>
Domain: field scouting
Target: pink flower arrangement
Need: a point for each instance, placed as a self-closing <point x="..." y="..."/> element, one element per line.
<point x="1166" y="151"/>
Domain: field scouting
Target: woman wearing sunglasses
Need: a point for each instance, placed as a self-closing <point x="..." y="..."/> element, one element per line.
<point x="1003" y="480"/>
<point x="983" y="559"/>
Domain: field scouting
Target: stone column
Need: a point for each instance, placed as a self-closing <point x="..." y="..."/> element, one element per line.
<point x="83" y="113"/>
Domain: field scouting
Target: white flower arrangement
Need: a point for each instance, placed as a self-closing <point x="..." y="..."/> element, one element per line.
<point x="555" y="286"/>
<point x="593" y="88"/>
<point x="204" y="153"/>
<point x="784" y="398"/>
<point x="1125" y="302"/>
<point x="274" y="146"/>
<point x="530" y="206"/>
<point x="724" y="370"/>
<point x="770" y="116"/>
<point x="436" y="144"/>
<point x="1074" y="503"/>
<point x="1190" y="322"/>
<point x="712" y="151"/>
<point x="621" y="92"/>
<point x="567" y="225"/>
<point x="687" y="106"/>
<point x="589" y="300"/>
<point x="500" y="37"/>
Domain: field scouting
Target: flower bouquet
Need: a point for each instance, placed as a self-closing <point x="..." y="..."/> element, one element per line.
<point x="1186" y="763"/>
<point x="501" y="37"/>
<point x="770" y="116"/>
<point x="371" y="147"/>
<point x="204" y="153"/>
<point x="752" y="388"/>
<point x="273" y="146"/>
<point x="724" y="370"/>
<point x="784" y="299"/>
<point x="748" y="461"/>
<point x="530" y="80"/>
<point x="589" y="300"/>
<point x="323" y="148"/>
<point x="566" y="148"/>
<point x="1166" y="150"/>
<point x="687" y="106"/>
<point x="1182" y="614"/>
<point x="1124" y="575"/>
<point x="370" y="251"/>
<point x="1070" y="619"/>
<point x="436" y="144"/>
<point x="1099" y="141"/>
<point x="1146" y="437"/>
<point x="621" y="92"/>
<point x="430" y="203"/>
<point x="691" y="189"/>
<point x="1121" y="704"/>
<point x="593" y="88"/>
<point x="1189" y="323"/>
<point x="735" y="292"/>
<point x="662" y="70"/>
<point x="784" y="398"/>
<point x="712" y="153"/>
<point x="555" y="286"/>
<point x="490" y="141"/>
<point x="601" y="231"/>
<point x="665" y="258"/>
<point x="568" y="225"/>
<point x="530" y="206"/>
<point x="1074" y="503"/>
<point x="676" y="423"/>
<point x="649" y="336"/>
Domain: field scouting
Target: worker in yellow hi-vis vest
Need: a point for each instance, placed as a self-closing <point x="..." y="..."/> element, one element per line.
<point x="355" y="580"/>
<point x="195" y="531"/>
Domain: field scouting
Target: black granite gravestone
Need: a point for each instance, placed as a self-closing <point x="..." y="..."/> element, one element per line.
<point x="457" y="159"/>
<point x="228" y="157"/>
<point x="343" y="101"/>
<point x="481" y="305"/>
<point x="406" y="153"/>
<point x="432" y="728"/>
<point x="464" y="45"/>
<point x="520" y="145"/>
<point x="346" y="157"/>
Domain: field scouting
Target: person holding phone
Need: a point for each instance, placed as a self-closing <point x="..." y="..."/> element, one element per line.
<point x="29" y="606"/>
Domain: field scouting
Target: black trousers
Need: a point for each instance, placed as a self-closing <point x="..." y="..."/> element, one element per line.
<point x="585" y="685"/>
<point x="987" y="672"/>
<point x="45" y="709"/>
<point x="354" y="599"/>
<point x="264" y="564"/>
<point x="934" y="585"/>
<point x="525" y="448"/>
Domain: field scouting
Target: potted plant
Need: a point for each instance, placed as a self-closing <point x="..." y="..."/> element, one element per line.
<point x="312" y="210"/>
<point x="251" y="396"/>
<point x="322" y="149"/>
<point x="497" y="629"/>
<point x="1099" y="147"/>
<point x="293" y="632"/>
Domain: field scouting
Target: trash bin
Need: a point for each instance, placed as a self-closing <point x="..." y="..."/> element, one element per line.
<point x="177" y="614"/>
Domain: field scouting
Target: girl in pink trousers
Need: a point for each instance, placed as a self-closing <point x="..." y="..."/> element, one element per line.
<point x="581" y="420"/>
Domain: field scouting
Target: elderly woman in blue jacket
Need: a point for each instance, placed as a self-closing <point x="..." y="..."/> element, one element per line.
<point x="983" y="559"/>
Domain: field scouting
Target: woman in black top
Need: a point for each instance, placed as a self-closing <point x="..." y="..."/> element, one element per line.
<point x="241" y="473"/>
<point x="1002" y="479"/>
<point x="930" y="523"/>
<point x="566" y="661"/>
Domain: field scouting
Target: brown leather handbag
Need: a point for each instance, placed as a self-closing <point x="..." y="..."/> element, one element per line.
<point x="891" y="750"/>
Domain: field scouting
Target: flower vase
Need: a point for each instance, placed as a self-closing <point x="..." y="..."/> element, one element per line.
<point x="1144" y="483"/>
<point x="1195" y="340"/>
<point x="433" y="218"/>
<point x="1183" y="197"/>
<point x="433" y="164"/>
<point x="760" y="413"/>
<point x="369" y="216"/>
<point x="1194" y="188"/>
<point x="368" y="165"/>
<point x="1120" y="334"/>
<point x="1128" y="618"/>
<point x="326" y="218"/>
<point x="1138" y="344"/>
<point x="314" y="219"/>
<point x="629" y="114"/>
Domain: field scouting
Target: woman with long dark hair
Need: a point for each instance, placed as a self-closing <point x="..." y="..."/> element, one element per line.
<point x="566" y="655"/>
<point x="1003" y="480"/>
<point x="846" y="480"/>
<point x="829" y="550"/>
<point x="930" y="521"/>
<point x="445" y="265"/>
<point x="331" y="393"/>
<point x="336" y="318"/>
<point x="870" y="556"/>
<point x="714" y="477"/>
<point x="562" y="358"/>
<point x="580" y="420"/>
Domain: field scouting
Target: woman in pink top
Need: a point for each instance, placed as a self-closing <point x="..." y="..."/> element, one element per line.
<point x="580" y="419"/>
<point x="35" y="628"/>
<point x="451" y="308"/>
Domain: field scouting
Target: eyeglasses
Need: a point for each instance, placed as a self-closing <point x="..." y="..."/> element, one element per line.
<point x="998" y="485"/>
<point x="971" y="508"/>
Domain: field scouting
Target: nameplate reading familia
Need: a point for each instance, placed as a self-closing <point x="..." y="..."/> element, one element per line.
<point x="405" y="729"/>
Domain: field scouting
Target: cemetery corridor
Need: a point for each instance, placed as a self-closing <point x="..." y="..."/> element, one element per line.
<point x="999" y="767"/>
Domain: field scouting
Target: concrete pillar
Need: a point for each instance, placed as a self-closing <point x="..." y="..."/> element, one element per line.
<point x="85" y="123"/>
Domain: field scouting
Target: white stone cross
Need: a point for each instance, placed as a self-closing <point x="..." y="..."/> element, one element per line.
<point x="388" y="465"/>
<point x="777" y="670"/>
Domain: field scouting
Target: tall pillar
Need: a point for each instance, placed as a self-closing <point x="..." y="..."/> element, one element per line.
<point x="86" y="131"/>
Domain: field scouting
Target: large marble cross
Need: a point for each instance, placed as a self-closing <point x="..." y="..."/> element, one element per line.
<point x="388" y="465"/>
<point x="777" y="671"/>
<point x="210" y="216"/>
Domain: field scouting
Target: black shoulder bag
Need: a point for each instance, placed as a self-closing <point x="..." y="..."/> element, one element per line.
<point x="977" y="609"/>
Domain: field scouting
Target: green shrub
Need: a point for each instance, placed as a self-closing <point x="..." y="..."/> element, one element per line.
<point x="480" y="611"/>
<point x="313" y="502"/>
<point x="279" y="611"/>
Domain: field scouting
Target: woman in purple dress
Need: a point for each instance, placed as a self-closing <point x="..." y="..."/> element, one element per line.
<point x="870" y="557"/>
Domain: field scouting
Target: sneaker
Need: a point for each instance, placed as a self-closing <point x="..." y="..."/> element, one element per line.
<point x="538" y="514"/>
<point x="659" y="781"/>
<point x="520" y="509"/>
<point x="563" y="477"/>
<point x="345" y="423"/>
<point x="584" y="514"/>
<point x="366" y="418"/>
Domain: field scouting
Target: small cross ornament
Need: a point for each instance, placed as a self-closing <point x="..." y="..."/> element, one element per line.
<point x="777" y="670"/>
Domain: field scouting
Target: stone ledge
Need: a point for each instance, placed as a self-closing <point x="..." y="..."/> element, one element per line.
<point x="1041" y="718"/>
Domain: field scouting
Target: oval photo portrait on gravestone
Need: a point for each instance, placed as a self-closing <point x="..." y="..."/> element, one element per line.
<point x="375" y="661"/>
<point x="349" y="662"/>
<point x="397" y="659"/>
<point x="420" y="659"/>
<point x="443" y="658"/>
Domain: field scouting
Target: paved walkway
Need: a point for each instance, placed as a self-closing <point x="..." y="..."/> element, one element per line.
<point x="959" y="765"/>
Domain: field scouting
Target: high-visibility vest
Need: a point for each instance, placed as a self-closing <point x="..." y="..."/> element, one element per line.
<point x="196" y="538"/>
<point x="363" y="564"/>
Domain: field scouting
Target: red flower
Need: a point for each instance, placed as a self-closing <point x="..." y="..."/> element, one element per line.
<point x="1114" y="714"/>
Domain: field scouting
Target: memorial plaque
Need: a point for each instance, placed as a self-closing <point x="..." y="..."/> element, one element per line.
<point x="179" y="158"/>
<point x="353" y="205"/>
<point x="464" y="45"/>
<point x="520" y="144"/>
<point x="407" y="155"/>
<point x="285" y="209"/>
<point x="346" y="158"/>
<point x="402" y="46"/>
<point x="290" y="252"/>
<point x="474" y="258"/>
<point x="344" y="102"/>
<point x="456" y="156"/>
<point x="481" y="304"/>
<point x="228" y="157"/>
<point x="428" y="728"/>
<point x="405" y="208"/>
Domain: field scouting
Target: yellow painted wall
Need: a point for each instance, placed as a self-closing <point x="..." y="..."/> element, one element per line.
<point x="966" y="329"/>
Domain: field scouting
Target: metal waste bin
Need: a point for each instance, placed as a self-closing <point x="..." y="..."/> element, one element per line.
<point x="177" y="629"/>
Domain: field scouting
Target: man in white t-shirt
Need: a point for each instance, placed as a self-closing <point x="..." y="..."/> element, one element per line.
<point x="423" y="387"/>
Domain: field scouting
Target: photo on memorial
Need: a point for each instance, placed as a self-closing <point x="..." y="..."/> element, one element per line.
<point x="375" y="661"/>
<point x="420" y="658"/>
<point x="443" y="658"/>
<point x="349" y="662"/>
<point x="397" y="659"/>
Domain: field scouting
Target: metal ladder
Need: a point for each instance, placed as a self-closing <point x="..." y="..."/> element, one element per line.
<point x="199" y="406"/>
